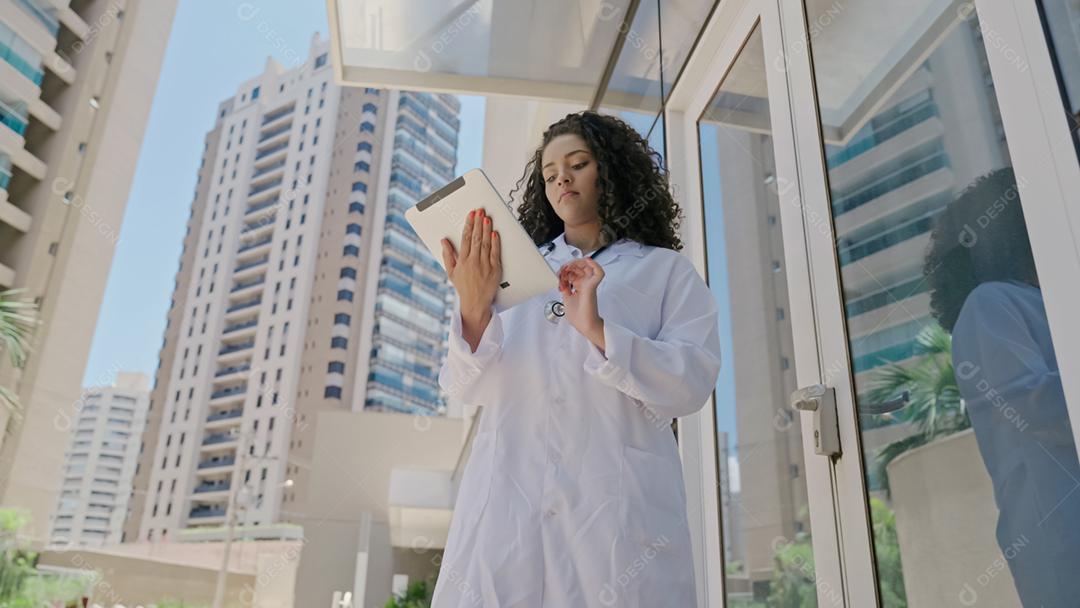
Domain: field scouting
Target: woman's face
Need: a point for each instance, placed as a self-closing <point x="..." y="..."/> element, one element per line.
<point x="570" y="173"/>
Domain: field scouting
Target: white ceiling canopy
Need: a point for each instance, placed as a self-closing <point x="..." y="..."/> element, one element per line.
<point x="550" y="49"/>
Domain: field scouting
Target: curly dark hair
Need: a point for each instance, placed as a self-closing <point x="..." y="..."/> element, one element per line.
<point x="635" y="197"/>
<point x="980" y="237"/>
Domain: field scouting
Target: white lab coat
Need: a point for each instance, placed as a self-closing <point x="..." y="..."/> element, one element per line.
<point x="573" y="494"/>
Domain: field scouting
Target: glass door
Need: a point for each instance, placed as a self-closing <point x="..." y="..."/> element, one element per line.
<point x="769" y="528"/>
<point x="958" y="475"/>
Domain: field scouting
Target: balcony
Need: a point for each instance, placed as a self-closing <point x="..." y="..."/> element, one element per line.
<point x="226" y="415"/>
<point x="271" y="117"/>
<point x="243" y="305"/>
<point x="258" y="243"/>
<point x="235" y="369"/>
<point x="243" y="286"/>
<point x="218" y="438"/>
<point x="263" y="222"/>
<point x="232" y="348"/>
<point x="260" y="206"/>
<point x="12" y="119"/>
<point x="271" y="150"/>
<point x="204" y="487"/>
<point x="199" y="512"/>
<point x="239" y="326"/>
<point x="264" y="187"/>
<point x="21" y="64"/>
<point x="274" y="133"/>
<point x="228" y="392"/>
<point x="251" y="264"/>
<point x="217" y="461"/>
<point x="44" y="14"/>
<point x="268" y="168"/>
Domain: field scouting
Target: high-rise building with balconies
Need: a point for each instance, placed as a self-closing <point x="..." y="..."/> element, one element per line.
<point x="301" y="289"/>
<point x="76" y="82"/>
<point x="100" y="463"/>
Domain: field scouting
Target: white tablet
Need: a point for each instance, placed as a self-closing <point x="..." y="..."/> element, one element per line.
<point x="526" y="273"/>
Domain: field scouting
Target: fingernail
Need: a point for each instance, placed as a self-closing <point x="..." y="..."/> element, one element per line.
<point x="471" y="214"/>
<point x="487" y="220"/>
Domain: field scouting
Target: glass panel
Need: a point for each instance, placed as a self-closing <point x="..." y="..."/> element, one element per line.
<point x="764" y="516"/>
<point x="549" y="48"/>
<point x="1061" y="19"/>
<point x="971" y="464"/>
<point x="635" y="81"/>
<point x="681" y="22"/>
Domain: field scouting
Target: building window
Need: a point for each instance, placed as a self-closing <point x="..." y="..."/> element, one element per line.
<point x="336" y="367"/>
<point x="348" y="273"/>
<point x="344" y="294"/>
<point x="320" y="61"/>
<point x="342" y="318"/>
<point x="359" y="187"/>
<point x="352" y="229"/>
<point x="370" y="107"/>
<point x="351" y="250"/>
<point x="367" y="126"/>
<point x="332" y="392"/>
<point x="339" y="342"/>
<point x="362" y="166"/>
<point x="364" y="146"/>
<point x="356" y="207"/>
<point x="255" y="93"/>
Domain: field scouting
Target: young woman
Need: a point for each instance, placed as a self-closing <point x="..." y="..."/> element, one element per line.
<point x="573" y="493"/>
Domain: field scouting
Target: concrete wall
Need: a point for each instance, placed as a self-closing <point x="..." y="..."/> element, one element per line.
<point x="945" y="520"/>
<point x="354" y="456"/>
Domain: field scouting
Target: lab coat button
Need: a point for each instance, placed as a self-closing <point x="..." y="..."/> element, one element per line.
<point x="550" y="512"/>
<point x="560" y="399"/>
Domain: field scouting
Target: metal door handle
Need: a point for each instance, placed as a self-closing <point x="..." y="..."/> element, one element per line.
<point x="820" y="402"/>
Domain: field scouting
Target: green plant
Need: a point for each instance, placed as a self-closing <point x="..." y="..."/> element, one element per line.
<point x="17" y="320"/>
<point x="21" y="585"/>
<point x="934" y="404"/>
<point x="416" y="596"/>
<point x="887" y="553"/>
<point x="794" y="582"/>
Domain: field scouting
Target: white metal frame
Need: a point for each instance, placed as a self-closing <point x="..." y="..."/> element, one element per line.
<point x="720" y="45"/>
<point x="1042" y="151"/>
<point x="1044" y="155"/>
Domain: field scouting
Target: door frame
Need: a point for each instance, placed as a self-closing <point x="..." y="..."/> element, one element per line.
<point x="1042" y="150"/>
<point x="1030" y="103"/>
<point x="721" y="42"/>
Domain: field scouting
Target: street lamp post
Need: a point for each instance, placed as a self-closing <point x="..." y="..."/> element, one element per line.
<point x="230" y="513"/>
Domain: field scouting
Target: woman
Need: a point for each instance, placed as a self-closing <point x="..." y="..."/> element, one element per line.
<point x="573" y="493"/>
<point x="984" y="289"/>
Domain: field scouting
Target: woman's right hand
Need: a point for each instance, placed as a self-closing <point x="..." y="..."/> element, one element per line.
<point x="476" y="270"/>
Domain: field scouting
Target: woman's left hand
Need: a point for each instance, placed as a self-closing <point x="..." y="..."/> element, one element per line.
<point x="578" y="281"/>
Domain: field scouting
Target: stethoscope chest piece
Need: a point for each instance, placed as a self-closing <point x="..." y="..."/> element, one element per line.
<point x="554" y="310"/>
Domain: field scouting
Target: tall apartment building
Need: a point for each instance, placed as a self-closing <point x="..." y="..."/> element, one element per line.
<point x="100" y="462"/>
<point x="76" y="81"/>
<point x="300" y="290"/>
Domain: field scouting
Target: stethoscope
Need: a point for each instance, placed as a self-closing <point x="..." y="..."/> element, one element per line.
<point x="554" y="310"/>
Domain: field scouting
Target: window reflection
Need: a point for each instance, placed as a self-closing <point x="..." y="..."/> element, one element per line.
<point x="970" y="459"/>
<point x="764" y="516"/>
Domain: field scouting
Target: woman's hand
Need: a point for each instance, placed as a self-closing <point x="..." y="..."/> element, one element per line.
<point x="475" y="272"/>
<point x="578" y="281"/>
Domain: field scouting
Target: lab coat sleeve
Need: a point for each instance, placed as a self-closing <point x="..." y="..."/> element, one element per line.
<point x="997" y="359"/>
<point x="674" y="374"/>
<point x="463" y="368"/>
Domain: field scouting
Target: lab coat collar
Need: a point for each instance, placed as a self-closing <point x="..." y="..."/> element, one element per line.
<point x="563" y="251"/>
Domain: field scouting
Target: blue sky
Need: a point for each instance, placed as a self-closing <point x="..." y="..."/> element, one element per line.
<point x="211" y="51"/>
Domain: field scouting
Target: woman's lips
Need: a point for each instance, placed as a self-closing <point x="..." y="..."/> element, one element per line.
<point x="566" y="194"/>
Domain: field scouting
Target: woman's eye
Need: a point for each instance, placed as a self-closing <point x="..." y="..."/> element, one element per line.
<point x="548" y="180"/>
<point x="580" y="166"/>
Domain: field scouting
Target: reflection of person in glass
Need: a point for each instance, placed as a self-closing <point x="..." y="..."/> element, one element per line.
<point x="985" y="290"/>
